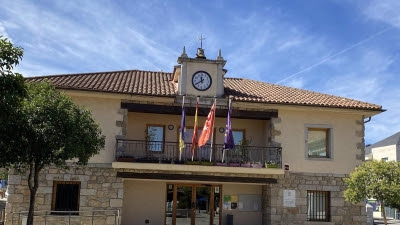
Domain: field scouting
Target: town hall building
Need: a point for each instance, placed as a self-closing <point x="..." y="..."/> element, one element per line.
<point x="292" y="150"/>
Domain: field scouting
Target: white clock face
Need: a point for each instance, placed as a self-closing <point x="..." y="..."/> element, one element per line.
<point x="201" y="80"/>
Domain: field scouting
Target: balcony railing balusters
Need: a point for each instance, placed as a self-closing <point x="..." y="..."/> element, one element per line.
<point x="168" y="152"/>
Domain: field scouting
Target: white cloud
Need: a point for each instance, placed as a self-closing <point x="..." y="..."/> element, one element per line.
<point x="386" y="11"/>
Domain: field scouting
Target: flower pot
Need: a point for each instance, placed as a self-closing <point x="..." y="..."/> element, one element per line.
<point x="234" y="164"/>
<point x="272" y="165"/>
<point x="205" y="163"/>
<point x="192" y="163"/>
<point x="125" y="159"/>
<point x="256" y="165"/>
<point x="248" y="165"/>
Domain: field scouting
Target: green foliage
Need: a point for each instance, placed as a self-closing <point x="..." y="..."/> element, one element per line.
<point x="12" y="93"/>
<point x="374" y="179"/>
<point x="40" y="126"/>
<point x="9" y="55"/>
<point x="55" y="130"/>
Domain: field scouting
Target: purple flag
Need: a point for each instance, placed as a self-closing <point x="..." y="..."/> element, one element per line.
<point x="228" y="140"/>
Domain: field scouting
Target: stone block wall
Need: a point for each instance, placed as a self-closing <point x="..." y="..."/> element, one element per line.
<point x="100" y="189"/>
<point x="341" y="211"/>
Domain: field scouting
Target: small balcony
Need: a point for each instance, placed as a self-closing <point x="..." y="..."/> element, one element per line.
<point x="141" y="151"/>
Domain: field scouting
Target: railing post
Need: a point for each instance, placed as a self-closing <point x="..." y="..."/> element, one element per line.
<point x="92" y="216"/>
<point x="69" y="219"/>
<point x="45" y="217"/>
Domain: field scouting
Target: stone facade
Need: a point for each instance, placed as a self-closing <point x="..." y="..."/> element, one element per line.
<point x="100" y="189"/>
<point x="341" y="211"/>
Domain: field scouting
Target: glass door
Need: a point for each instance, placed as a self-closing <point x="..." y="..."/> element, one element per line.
<point x="203" y="207"/>
<point x="194" y="204"/>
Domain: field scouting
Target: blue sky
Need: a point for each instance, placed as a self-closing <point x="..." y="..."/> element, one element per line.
<point x="348" y="48"/>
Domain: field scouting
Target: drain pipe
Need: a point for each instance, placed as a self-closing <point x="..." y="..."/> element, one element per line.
<point x="366" y="121"/>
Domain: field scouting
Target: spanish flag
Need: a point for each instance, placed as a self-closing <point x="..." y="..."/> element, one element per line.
<point x="208" y="127"/>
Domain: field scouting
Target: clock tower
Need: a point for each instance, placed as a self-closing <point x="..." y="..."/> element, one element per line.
<point x="200" y="76"/>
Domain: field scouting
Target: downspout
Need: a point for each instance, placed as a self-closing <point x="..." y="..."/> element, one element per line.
<point x="366" y="121"/>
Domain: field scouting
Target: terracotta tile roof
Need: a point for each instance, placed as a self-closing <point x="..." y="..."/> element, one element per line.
<point x="129" y="82"/>
<point x="160" y="84"/>
<point x="256" y="91"/>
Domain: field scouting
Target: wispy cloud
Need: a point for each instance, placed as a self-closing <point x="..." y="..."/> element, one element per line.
<point x="268" y="42"/>
<point x="386" y="11"/>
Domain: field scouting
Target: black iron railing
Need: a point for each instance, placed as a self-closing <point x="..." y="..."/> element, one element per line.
<point x="168" y="152"/>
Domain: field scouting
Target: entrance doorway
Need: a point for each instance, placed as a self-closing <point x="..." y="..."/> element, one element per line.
<point x="194" y="204"/>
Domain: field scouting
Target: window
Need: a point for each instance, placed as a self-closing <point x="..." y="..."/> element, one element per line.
<point x="318" y="206"/>
<point x="189" y="135"/>
<point x="238" y="136"/>
<point x="385" y="159"/>
<point x="155" y="138"/>
<point x="318" y="142"/>
<point x="66" y="196"/>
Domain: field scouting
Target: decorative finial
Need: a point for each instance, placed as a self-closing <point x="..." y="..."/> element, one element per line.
<point x="200" y="51"/>
<point x="220" y="55"/>
<point x="184" y="53"/>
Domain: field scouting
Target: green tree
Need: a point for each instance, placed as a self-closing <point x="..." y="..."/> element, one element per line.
<point x="12" y="93"/>
<point x="53" y="130"/>
<point x="375" y="179"/>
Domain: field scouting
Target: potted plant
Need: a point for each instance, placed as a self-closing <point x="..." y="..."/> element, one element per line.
<point x="234" y="164"/>
<point x="221" y="164"/>
<point x="125" y="158"/>
<point x="207" y="163"/>
<point x="245" y="164"/>
<point x="271" y="165"/>
<point x="192" y="162"/>
<point x="256" y="165"/>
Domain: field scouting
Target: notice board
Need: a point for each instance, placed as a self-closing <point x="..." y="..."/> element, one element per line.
<point x="249" y="203"/>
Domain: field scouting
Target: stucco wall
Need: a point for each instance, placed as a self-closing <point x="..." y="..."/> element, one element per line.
<point x="143" y="200"/>
<point x="347" y="140"/>
<point x="105" y="112"/>
<point x="192" y="68"/>
<point x="383" y="152"/>
<point x="254" y="129"/>
<point x="241" y="217"/>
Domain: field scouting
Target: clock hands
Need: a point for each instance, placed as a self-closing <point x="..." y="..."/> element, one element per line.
<point x="201" y="81"/>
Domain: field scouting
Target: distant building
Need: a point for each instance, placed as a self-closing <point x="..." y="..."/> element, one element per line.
<point x="387" y="149"/>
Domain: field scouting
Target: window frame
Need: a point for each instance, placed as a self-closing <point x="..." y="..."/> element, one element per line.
<point x="240" y="130"/>
<point x="329" y="142"/>
<point x="327" y="196"/>
<point x="54" y="197"/>
<point x="163" y="138"/>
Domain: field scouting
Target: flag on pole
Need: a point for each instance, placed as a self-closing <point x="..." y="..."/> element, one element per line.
<point x="195" y="129"/>
<point x="228" y="140"/>
<point x="182" y="131"/>
<point x="208" y="127"/>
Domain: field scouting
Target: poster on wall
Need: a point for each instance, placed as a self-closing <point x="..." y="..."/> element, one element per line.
<point x="289" y="198"/>
<point x="227" y="202"/>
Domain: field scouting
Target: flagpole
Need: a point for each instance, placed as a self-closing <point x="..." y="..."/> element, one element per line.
<point x="212" y="130"/>
<point x="195" y="126"/>
<point x="229" y="107"/>
<point x="180" y="149"/>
